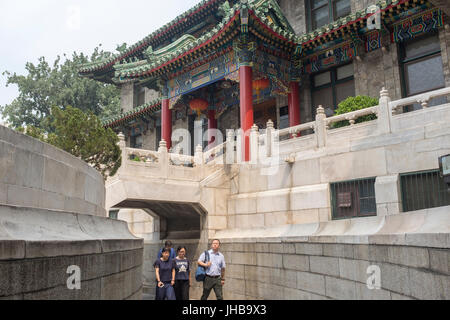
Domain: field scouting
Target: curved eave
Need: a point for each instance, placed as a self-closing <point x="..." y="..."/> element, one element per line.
<point x="148" y="109"/>
<point x="143" y="44"/>
<point x="288" y="39"/>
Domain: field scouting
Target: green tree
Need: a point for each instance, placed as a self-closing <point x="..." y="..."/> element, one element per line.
<point x="45" y="86"/>
<point x="82" y="135"/>
<point x="353" y="104"/>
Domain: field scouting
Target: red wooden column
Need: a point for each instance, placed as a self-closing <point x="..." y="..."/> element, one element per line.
<point x="246" y="88"/>
<point x="166" y="123"/>
<point x="212" y="124"/>
<point x="294" y="104"/>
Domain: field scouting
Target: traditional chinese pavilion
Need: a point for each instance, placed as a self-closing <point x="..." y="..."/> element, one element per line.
<point x="238" y="63"/>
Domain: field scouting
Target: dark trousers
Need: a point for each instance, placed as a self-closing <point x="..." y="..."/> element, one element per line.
<point x="212" y="283"/>
<point x="182" y="289"/>
<point x="165" y="293"/>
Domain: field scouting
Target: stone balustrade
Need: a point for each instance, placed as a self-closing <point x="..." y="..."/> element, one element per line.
<point x="423" y="99"/>
<point x="270" y="142"/>
<point x="215" y="153"/>
<point x="351" y="117"/>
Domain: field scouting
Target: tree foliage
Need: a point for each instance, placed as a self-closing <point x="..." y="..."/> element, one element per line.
<point x="353" y="104"/>
<point x="82" y="135"/>
<point x="58" y="85"/>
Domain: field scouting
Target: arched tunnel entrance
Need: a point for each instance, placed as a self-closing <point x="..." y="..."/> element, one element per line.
<point x="172" y="220"/>
<point x="185" y="224"/>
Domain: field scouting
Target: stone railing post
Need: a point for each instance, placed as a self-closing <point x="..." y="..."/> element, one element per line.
<point x="321" y="130"/>
<point x="384" y="112"/>
<point x="229" y="157"/>
<point x="254" y="144"/>
<point x="198" y="157"/>
<point x="123" y="146"/>
<point x="163" y="158"/>
<point x="269" y="138"/>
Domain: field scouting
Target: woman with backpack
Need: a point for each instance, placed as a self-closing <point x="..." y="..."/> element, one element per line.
<point x="182" y="275"/>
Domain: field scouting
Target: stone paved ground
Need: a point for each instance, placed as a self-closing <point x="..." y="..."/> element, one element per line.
<point x="147" y="297"/>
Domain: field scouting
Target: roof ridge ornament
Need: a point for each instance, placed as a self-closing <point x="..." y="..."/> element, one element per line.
<point x="122" y="48"/>
<point x="182" y="42"/>
<point x="224" y="9"/>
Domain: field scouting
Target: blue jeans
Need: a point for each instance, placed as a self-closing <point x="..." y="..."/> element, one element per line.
<point x="165" y="293"/>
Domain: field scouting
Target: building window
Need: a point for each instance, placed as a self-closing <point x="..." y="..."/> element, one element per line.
<point x="423" y="190"/>
<point x="422" y="69"/>
<point x="351" y="199"/>
<point x="322" y="12"/>
<point x="331" y="87"/>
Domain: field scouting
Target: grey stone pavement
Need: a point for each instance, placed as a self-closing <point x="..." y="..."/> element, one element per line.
<point x="147" y="297"/>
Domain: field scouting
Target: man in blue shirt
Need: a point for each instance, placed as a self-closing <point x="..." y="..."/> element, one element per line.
<point x="168" y="244"/>
<point x="215" y="271"/>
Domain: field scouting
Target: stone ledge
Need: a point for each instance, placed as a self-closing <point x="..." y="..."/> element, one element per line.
<point x="111" y="245"/>
<point x="41" y="249"/>
<point x="47" y="276"/>
<point x="426" y="228"/>
<point x="45" y="230"/>
<point x="12" y="249"/>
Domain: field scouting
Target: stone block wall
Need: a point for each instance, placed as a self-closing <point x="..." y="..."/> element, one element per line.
<point x="292" y="270"/>
<point x="317" y="269"/>
<point x="127" y="97"/>
<point x="140" y="223"/>
<point x="104" y="275"/>
<point x="294" y="11"/>
<point x="36" y="174"/>
<point x="52" y="217"/>
<point x="299" y="193"/>
<point x="38" y="246"/>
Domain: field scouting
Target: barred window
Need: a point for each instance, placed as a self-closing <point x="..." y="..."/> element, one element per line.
<point x="354" y="198"/>
<point x="423" y="190"/>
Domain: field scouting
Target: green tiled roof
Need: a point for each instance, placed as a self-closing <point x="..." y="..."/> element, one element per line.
<point x="260" y="6"/>
<point x="148" y="108"/>
<point x="143" y="44"/>
<point x="135" y="69"/>
<point x="260" y="9"/>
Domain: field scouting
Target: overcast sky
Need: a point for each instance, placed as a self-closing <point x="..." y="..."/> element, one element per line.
<point x="31" y="29"/>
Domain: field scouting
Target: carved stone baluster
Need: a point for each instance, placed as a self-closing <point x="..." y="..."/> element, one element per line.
<point x="384" y="113"/>
<point x="269" y="134"/>
<point x="321" y="132"/>
<point x="198" y="158"/>
<point x="424" y="103"/>
<point x="254" y="145"/>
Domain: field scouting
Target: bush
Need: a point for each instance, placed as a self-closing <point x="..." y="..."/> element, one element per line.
<point x="353" y="104"/>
